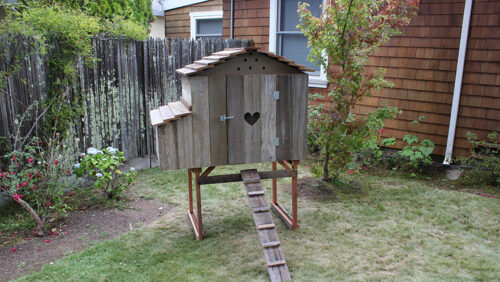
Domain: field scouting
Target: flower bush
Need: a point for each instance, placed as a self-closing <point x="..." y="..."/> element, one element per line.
<point x="102" y="166"/>
<point x="33" y="179"/>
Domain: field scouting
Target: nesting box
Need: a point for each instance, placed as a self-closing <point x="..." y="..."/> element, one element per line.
<point x="238" y="106"/>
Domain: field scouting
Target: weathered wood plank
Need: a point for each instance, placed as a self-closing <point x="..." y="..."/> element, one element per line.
<point x="251" y="97"/>
<point x="156" y="118"/>
<point x="178" y="109"/>
<point x="237" y="177"/>
<point x="201" y="118"/>
<point x="298" y="95"/>
<point x="268" y="116"/>
<point x="235" y="127"/>
<point x="166" y="114"/>
<point x="283" y="118"/>
<point x="218" y="129"/>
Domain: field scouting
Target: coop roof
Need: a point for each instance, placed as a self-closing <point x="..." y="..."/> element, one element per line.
<point x="226" y="54"/>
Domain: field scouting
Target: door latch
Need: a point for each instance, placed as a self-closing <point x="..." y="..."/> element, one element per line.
<point x="224" y="118"/>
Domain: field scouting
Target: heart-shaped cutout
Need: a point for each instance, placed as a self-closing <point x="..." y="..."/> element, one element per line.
<point x="252" y="119"/>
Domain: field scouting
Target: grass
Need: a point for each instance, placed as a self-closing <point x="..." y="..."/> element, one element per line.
<point x="391" y="229"/>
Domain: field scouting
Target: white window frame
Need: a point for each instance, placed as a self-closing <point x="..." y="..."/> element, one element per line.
<point x="315" y="80"/>
<point x="202" y="16"/>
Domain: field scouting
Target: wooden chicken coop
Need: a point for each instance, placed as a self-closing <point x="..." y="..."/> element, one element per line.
<point x="238" y="106"/>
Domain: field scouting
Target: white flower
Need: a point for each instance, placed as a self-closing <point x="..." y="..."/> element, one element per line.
<point x="132" y="169"/>
<point x="39" y="163"/>
<point x="93" y="151"/>
<point x="77" y="165"/>
<point x="98" y="174"/>
<point x="112" y="150"/>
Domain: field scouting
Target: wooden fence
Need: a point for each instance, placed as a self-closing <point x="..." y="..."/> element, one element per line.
<point x="129" y="79"/>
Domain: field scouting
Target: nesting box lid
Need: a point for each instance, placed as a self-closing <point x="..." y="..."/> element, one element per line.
<point x="226" y="54"/>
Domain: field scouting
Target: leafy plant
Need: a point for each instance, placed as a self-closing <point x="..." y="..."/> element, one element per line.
<point x="102" y="166"/>
<point x="418" y="152"/>
<point x="483" y="167"/>
<point x="341" y="40"/>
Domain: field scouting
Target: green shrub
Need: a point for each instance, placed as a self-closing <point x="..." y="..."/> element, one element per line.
<point x="417" y="153"/>
<point x="483" y="167"/>
<point x="102" y="166"/>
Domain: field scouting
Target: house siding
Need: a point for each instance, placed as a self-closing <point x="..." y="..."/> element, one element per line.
<point x="251" y="21"/>
<point x="421" y="62"/>
<point x="177" y="22"/>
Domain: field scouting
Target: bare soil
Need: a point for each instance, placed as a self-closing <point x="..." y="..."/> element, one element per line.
<point x="78" y="231"/>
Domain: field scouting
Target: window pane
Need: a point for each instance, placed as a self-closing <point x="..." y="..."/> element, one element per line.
<point x="289" y="18"/>
<point x="209" y="26"/>
<point x="294" y="47"/>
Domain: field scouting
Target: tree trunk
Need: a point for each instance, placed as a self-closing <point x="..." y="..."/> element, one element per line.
<point x="38" y="222"/>
<point x="326" y="172"/>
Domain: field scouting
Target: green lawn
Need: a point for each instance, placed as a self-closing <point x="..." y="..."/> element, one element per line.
<point x="391" y="229"/>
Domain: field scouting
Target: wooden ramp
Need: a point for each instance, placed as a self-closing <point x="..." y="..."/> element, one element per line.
<point x="276" y="264"/>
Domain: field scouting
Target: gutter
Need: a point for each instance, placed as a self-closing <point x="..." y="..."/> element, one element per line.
<point x="232" y="20"/>
<point x="458" y="81"/>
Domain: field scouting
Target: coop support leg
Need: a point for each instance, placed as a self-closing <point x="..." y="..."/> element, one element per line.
<point x="190" y="190"/>
<point x="275" y="186"/>
<point x="295" y="223"/>
<point x="195" y="219"/>
<point x="290" y="220"/>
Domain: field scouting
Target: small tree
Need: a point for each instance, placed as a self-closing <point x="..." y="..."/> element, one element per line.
<point x="341" y="41"/>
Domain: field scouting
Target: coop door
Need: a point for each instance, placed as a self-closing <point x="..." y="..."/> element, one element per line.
<point x="263" y="120"/>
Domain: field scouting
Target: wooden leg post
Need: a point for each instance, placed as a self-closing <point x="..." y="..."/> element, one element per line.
<point x="198" y="204"/>
<point x="275" y="186"/>
<point x="190" y="190"/>
<point x="295" y="223"/>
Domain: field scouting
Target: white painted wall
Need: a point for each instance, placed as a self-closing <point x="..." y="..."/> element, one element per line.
<point x="158" y="27"/>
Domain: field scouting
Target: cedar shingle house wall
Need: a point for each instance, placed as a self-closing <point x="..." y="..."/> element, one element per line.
<point x="422" y="63"/>
<point x="177" y="21"/>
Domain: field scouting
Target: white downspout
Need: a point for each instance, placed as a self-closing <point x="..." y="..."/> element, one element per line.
<point x="458" y="81"/>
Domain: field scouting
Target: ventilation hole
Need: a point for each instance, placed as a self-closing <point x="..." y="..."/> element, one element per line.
<point x="256" y="60"/>
<point x="238" y="69"/>
<point x="245" y="60"/>
<point x="250" y="68"/>
<point x="263" y="68"/>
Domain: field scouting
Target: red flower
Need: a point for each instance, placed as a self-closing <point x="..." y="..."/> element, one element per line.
<point x="25" y="184"/>
<point x="13" y="250"/>
<point x="68" y="172"/>
<point x="47" y="241"/>
<point x="30" y="160"/>
<point x="18" y="185"/>
<point x="13" y="158"/>
<point x="33" y="187"/>
<point x="48" y="205"/>
<point x="17" y="197"/>
<point x="56" y="162"/>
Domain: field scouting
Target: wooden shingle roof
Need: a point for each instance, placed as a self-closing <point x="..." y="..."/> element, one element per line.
<point x="226" y="54"/>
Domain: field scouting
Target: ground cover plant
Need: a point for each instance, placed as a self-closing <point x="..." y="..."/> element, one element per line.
<point x="389" y="228"/>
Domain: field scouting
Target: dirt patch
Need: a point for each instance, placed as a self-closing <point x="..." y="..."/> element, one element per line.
<point x="314" y="189"/>
<point x="77" y="232"/>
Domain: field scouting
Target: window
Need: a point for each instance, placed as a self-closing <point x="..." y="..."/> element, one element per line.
<point x="206" y="24"/>
<point x="287" y="40"/>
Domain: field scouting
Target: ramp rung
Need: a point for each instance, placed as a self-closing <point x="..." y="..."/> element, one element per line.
<point x="271" y="244"/>
<point x="261" y="209"/>
<point x="266" y="226"/>
<point x="276" y="263"/>
<point x="251" y="180"/>
<point x="255" y="193"/>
